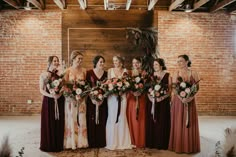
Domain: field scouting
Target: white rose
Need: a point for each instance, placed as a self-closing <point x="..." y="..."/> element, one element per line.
<point x="56" y="83"/>
<point x="127" y="84"/>
<point x="100" y="97"/>
<point x="78" y="91"/>
<point x="157" y="87"/>
<point x="60" y="80"/>
<point x="137" y="79"/>
<point x="110" y="86"/>
<point x="95" y="92"/>
<point x="119" y="84"/>
<point x="183" y="85"/>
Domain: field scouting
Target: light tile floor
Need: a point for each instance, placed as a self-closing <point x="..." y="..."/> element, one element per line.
<point x="24" y="131"/>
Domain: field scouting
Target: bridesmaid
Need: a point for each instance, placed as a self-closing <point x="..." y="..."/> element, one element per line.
<point x="96" y="131"/>
<point x="158" y="125"/>
<point x="184" y="138"/>
<point x="117" y="132"/>
<point x="75" y="117"/>
<point x="52" y="128"/>
<point x="136" y="124"/>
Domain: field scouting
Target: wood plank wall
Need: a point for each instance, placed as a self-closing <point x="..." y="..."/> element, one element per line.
<point x="102" y="32"/>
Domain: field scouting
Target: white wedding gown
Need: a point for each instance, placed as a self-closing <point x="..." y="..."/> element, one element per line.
<point x="117" y="134"/>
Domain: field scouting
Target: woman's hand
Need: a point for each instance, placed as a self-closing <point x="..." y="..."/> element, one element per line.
<point x="56" y="96"/>
<point x="159" y="99"/>
<point x="187" y="100"/>
<point x="150" y="98"/>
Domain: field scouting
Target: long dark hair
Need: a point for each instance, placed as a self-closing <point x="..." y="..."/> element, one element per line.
<point x="186" y="58"/>
<point x="96" y="59"/>
<point x="161" y="62"/>
<point x="50" y="59"/>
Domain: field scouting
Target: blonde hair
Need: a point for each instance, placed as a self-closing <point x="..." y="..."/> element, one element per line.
<point x="74" y="54"/>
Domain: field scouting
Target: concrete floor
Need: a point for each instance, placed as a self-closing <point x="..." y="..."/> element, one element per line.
<point x="24" y="131"/>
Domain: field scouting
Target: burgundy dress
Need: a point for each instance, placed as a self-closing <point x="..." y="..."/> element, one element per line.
<point x="52" y="130"/>
<point x="158" y="127"/>
<point x="184" y="139"/>
<point x="96" y="132"/>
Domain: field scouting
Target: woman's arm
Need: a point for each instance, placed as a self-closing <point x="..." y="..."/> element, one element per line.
<point x="109" y="74"/>
<point x="42" y="85"/>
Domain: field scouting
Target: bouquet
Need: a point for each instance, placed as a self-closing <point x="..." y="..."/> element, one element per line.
<point x="77" y="89"/>
<point x="137" y="85"/>
<point x="185" y="89"/>
<point x="157" y="89"/>
<point x="97" y="97"/>
<point x="116" y="86"/>
<point x="55" y="86"/>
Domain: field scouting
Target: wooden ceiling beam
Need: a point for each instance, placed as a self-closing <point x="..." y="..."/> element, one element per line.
<point x="232" y="9"/>
<point x="106" y="4"/>
<point x="12" y="3"/>
<point x="152" y="4"/>
<point x="221" y="5"/>
<point x="36" y="4"/>
<point x="83" y="4"/>
<point x="199" y="4"/>
<point x="60" y="3"/>
<point x="42" y="2"/>
<point x="175" y="4"/>
<point x="128" y="4"/>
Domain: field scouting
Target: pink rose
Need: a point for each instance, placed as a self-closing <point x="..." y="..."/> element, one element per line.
<point x="182" y="94"/>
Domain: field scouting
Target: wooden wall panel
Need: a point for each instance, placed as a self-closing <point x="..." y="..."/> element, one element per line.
<point x="102" y="32"/>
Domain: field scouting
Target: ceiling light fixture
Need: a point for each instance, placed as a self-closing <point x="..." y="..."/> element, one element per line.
<point x="188" y="8"/>
<point x="27" y="7"/>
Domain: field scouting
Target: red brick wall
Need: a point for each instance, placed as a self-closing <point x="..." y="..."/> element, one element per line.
<point x="28" y="38"/>
<point x="210" y="41"/>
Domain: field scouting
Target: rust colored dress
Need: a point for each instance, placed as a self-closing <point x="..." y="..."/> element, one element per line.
<point x="96" y="132"/>
<point x="184" y="139"/>
<point x="136" y="124"/>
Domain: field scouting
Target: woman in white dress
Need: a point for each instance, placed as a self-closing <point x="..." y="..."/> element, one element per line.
<point x="117" y="130"/>
<point x="75" y="135"/>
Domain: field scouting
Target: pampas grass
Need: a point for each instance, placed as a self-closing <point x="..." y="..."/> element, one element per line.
<point x="228" y="147"/>
<point x="5" y="149"/>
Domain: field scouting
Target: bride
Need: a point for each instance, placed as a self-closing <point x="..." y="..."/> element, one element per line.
<point x="117" y="130"/>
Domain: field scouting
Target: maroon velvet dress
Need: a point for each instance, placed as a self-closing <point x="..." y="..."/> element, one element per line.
<point x="96" y="132"/>
<point x="158" y="127"/>
<point x="52" y="130"/>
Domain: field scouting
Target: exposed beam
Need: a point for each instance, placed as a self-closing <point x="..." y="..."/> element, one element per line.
<point x="12" y="3"/>
<point x="128" y="4"/>
<point x="60" y="3"/>
<point x="36" y="4"/>
<point x="42" y="2"/>
<point x="152" y="4"/>
<point x="83" y="4"/>
<point x="199" y="4"/>
<point x="221" y="5"/>
<point x="175" y="4"/>
<point x="105" y="4"/>
<point x="232" y="9"/>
